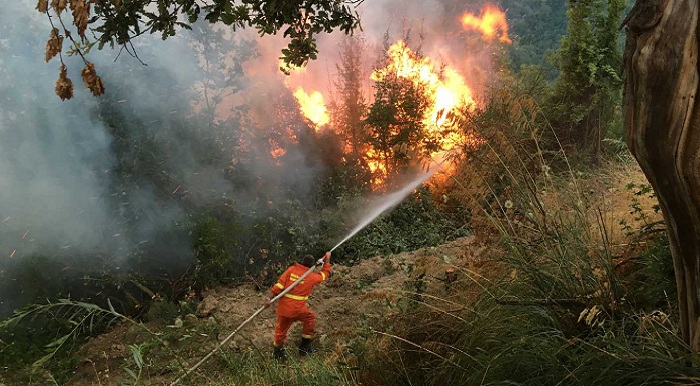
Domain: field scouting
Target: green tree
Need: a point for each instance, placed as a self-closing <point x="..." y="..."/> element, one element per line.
<point x="587" y="92"/>
<point x="221" y="63"/>
<point x="116" y="23"/>
<point x="351" y="107"/>
<point x="537" y="27"/>
<point x="348" y="110"/>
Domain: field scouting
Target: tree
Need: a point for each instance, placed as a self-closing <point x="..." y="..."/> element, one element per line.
<point x="351" y="106"/>
<point x="587" y="90"/>
<point x="662" y="119"/>
<point x="395" y="121"/>
<point x="116" y="23"/>
<point x="221" y="62"/>
<point x="538" y="26"/>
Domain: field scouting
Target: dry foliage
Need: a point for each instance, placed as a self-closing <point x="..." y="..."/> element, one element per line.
<point x="42" y="6"/>
<point x="64" y="86"/>
<point x="91" y="80"/>
<point x="509" y="148"/>
<point x="59" y="5"/>
<point x="81" y="15"/>
<point x="54" y="45"/>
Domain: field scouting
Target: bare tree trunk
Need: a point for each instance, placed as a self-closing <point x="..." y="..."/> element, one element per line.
<point x="662" y="119"/>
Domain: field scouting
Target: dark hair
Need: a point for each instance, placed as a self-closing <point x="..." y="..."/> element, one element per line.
<point x="308" y="261"/>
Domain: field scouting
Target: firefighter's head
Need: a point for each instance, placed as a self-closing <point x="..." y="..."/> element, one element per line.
<point x="308" y="261"/>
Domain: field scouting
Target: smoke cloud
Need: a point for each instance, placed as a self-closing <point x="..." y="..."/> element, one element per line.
<point x="67" y="183"/>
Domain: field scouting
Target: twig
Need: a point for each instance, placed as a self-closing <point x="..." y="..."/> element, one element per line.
<point x="69" y="36"/>
<point x="60" y="55"/>
<point x="134" y="54"/>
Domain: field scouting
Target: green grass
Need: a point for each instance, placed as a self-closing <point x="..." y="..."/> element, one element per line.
<point x="258" y="368"/>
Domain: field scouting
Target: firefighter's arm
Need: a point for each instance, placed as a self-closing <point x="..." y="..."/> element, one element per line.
<point x="326" y="270"/>
<point x="278" y="287"/>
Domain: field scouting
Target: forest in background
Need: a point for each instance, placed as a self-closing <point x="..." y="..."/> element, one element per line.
<point x="207" y="176"/>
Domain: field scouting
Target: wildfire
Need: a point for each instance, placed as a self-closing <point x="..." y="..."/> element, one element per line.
<point x="489" y="23"/>
<point x="313" y="107"/>
<point x="446" y="89"/>
<point x="277" y="150"/>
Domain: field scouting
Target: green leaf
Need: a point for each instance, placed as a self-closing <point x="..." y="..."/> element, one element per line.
<point x="228" y="18"/>
<point x="131" y="373"/>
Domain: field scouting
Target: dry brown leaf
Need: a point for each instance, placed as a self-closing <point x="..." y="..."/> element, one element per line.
<point x="64" y="86"/>
<point x="42" y="6"/>
<point x="81" y="14"/>
<point x="54" y="45"/>
<point x="59" y="5"/>
<point x="91" y="80"/>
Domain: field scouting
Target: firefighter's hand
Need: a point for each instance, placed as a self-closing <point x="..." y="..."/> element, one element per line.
<point x="326" y="258"/>
<point x="267" y="303"/>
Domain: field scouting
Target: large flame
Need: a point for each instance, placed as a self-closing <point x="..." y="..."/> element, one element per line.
<point x="491" y="21"/>
<point x="446" y="89"/>
<point x="313" y="107"/>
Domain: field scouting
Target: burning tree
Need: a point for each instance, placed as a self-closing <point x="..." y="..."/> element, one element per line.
<point x="415" y="111"/>
<point x="395" y="126"/>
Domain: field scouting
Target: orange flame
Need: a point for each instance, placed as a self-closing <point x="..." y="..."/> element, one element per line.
<point x="489" y="23"/>
<point x="376" y="166"/>
<point x="312" y="106"/>
<point x="447" y="90"/>
<point x="277" y="150"/>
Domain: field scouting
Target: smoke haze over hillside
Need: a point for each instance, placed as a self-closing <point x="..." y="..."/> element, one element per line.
<point x="68" y="186"/>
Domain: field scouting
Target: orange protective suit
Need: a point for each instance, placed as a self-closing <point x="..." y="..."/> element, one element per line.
<point x="292" y="306"/>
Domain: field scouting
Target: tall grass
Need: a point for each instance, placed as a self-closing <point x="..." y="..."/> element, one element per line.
<point x="557" y="306"/>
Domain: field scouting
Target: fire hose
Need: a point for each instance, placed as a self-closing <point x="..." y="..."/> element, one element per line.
<point x="256" y="313"/>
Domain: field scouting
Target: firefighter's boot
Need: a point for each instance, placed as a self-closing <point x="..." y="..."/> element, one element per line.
<point x="279" y="353"/>
<point x="306" y="346"/>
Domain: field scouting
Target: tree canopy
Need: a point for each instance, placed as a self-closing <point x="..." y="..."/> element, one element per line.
<point x="116" y="23"/>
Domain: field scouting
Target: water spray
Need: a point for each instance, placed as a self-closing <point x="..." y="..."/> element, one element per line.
<point x="387" y="202"/>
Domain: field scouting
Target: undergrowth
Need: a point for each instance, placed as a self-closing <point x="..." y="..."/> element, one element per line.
<point x="565" y="301"/>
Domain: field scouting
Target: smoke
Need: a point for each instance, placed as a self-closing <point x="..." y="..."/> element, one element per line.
<point x="57" y="159"/>
<point x="115" y="177"/>
<point x="54" y="157"/>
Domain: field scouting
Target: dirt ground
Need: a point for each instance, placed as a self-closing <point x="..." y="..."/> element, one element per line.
<point x="348" y="299"/>
<point x="351" y="295"/>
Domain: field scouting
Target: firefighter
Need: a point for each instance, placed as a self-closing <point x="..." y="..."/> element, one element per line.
<point x="292" y="306"/>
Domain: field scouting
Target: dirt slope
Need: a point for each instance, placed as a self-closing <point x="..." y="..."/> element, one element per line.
<point x="364" y="291"/>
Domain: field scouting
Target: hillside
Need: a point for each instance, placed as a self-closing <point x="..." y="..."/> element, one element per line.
<point x="356" y="300"/>
<point x="352" y="297"/>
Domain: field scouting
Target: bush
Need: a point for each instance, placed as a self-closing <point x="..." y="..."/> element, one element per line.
<point x="415" y="223"/>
